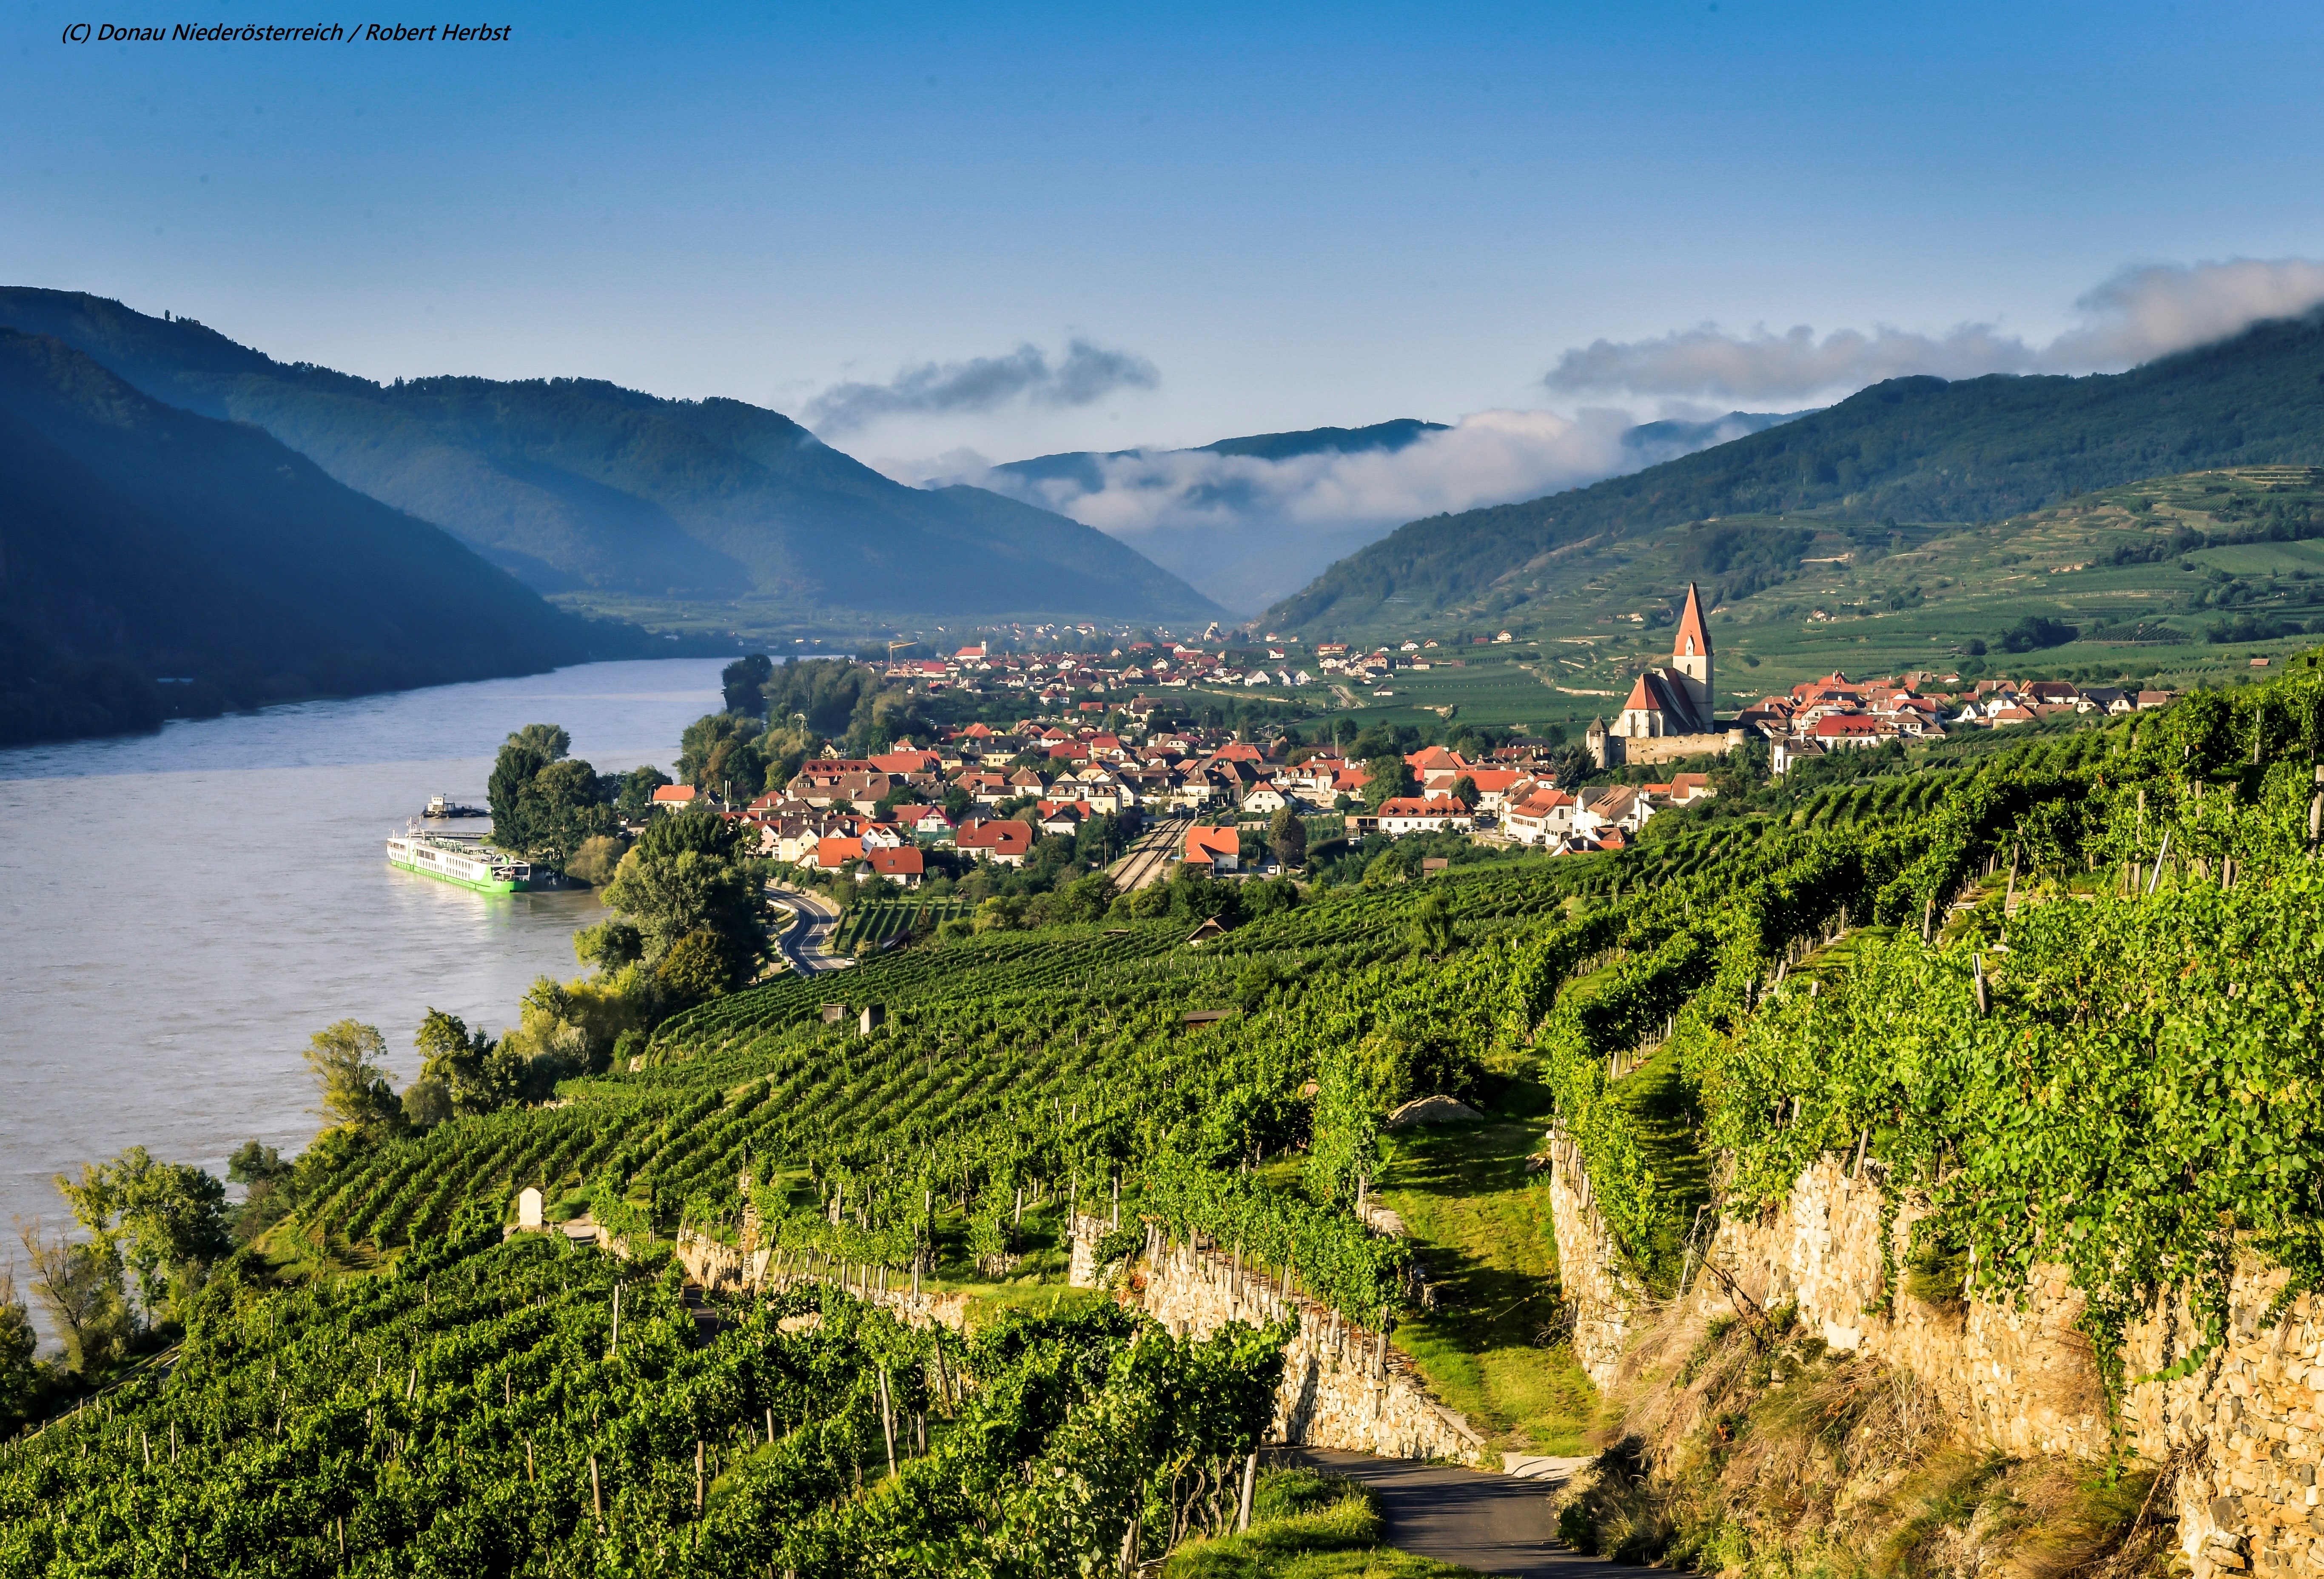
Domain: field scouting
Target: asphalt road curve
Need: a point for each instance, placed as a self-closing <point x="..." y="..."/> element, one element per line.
<point x="1492" y="1523"/>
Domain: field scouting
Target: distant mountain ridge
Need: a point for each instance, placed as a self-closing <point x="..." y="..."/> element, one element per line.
<point x="1913" y="450"/>
<point x="1226" y="528"/>
<point x="142" y="543"/>
<point x="611" y="497"/>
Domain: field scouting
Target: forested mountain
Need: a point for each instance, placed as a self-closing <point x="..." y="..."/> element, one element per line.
<point x="141" y="541"/>
<point x="1086" y="468"/>
<point x="626" y="500"/>
<point x="1911" y="450"/>
<point x="1247" y="520"/>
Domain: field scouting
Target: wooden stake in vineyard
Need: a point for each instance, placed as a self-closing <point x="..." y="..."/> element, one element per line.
<point x="888" y="1420"/>
<point x="597" y="1496"/>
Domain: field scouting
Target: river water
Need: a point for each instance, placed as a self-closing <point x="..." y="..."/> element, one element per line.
<point x="183" y="910"/>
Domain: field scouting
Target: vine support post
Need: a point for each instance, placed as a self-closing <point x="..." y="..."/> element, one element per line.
<point x="888" y="1420"/>
<point x="1242" y="1503"/>
<point x="597" y="1496"/>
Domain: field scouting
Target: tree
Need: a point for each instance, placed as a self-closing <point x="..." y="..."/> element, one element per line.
<point x="452" y="1081"/>
<point x="20" y="1378"/>
<point x="718" y="751"/>
<point x="548" y="740"/>
<point x="80" y="1286"/>
<point x="1464" y="790"/>
<point x="695" y="968"/>
<point x="744" y="681"/>
<point x="635" y="797"/>
<point x="682" y="877"/>
<point x="1390" y="778"/>
<point x="1286" y="836"/>
<point x="610" y="945"/>
<point x="514" y="770"/>
<point x="269" y="1189"/>
<point x="597" y="858"/>
<point x="350" y="1079"/>
<point x="164" y="1222"/>
<point x="564" y="806"/>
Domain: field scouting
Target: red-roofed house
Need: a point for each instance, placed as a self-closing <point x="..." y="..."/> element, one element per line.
<point x="926" y="823"/>
<point x="1849" y="731"/>
<point x="1543" y="817"/>
<point x="676" y="797"/>
<point x="906" y="866"/>
<point x="1421" y="814"/>
<point x="1494" y="784"/>
<point x="1004" y="843"/>
<point x="835" y="854"/>
<point x="1215" y="849"/>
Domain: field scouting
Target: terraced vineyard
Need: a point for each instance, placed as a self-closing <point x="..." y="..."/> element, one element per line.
<point x="965" y="1094"/>
<point x="879" y="921"/>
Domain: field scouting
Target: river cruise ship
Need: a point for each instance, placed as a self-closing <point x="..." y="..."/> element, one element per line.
<point x="467" y="861"/>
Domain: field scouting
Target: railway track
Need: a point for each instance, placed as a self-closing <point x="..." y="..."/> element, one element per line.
<point x="1150" y="857"/>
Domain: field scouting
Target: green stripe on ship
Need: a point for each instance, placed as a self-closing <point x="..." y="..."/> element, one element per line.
<point x="501" y="885"/>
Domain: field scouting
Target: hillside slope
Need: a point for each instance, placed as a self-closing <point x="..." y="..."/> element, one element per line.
<point x="609" y="496"/>
<point x="1247" y="520"/>
<point x="1909" y="450"/>
<point x="145" y="541"/>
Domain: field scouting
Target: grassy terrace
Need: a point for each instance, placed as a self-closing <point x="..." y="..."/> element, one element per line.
<point x="1491" y="1348"/>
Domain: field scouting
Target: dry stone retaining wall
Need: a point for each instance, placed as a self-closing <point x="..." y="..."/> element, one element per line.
<point x="1343" y="1387"/>
<point x="717" y="1265"/>
<point x="2245" y="1429"/>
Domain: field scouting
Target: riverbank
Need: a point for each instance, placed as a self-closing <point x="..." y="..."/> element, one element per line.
<point x="187" y="908"/>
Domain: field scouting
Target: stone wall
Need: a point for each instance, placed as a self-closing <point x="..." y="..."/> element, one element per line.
<point x="1638" y="751"/>
<point x="2245" y="1429"/>
<point x="1590" y="1273"/>
<point x="717" y="1265"/>
<point x="1343" y="1386"/>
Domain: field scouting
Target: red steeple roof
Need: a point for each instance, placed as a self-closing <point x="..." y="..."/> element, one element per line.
<point x="1642" y="700"/>
<point x="1689" y="628"/>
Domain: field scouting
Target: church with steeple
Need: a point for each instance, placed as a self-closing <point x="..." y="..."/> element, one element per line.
<point x="1672" y="711"/>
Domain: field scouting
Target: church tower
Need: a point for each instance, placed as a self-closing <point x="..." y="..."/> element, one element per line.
<point x="1691" y="657"/>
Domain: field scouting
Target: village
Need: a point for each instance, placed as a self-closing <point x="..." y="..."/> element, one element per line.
<point x="1111" y="760"/>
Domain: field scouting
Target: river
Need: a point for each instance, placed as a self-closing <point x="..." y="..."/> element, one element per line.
<point x="184" y="910"/>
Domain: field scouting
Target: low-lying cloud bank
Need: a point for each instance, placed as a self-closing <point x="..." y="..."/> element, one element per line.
<point x="1248" y="530"/>
<point x="1086" y="373"/>
<point x="2140" y="314"/>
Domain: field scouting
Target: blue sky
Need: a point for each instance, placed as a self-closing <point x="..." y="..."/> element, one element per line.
<point x="1294" y="216"/>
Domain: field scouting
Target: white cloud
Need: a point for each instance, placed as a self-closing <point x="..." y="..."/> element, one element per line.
<point x="1086" y="374"/>
<point x="1488" y="458"/>
<point x="2140" y="314"/>
<point x="1247" y="531"/>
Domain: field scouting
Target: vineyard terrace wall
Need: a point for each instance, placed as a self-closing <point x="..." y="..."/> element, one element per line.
<point x="1343" y="1386"/>
<point x="2245" y="1427"/>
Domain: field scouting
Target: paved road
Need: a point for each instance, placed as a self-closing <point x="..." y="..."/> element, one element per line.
<point x="1493" y="1523"/>
<point x="808" y="942"/>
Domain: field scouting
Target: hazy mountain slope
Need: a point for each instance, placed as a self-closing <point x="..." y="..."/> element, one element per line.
<point x="581" y="487"/>
<point x="142" y="540"/>
<point x="1913" y="450"/>
<point x="1247" y="520"/>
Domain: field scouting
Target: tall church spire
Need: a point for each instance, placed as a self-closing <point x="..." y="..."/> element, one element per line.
<point x="1691" y="657"/>
<point x="1693" y="640"/>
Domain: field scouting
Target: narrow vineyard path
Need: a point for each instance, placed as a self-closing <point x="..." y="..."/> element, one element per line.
<point x="1491" y="1523"/>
